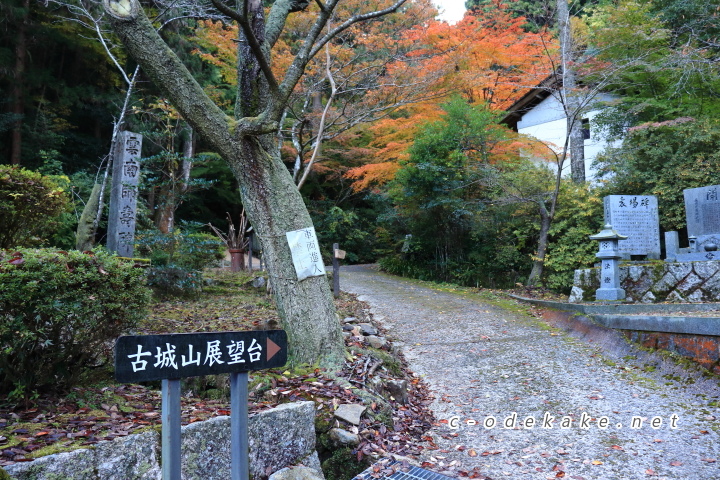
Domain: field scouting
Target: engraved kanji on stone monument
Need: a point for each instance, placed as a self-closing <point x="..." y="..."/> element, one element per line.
<point x="702" y="210"/>
<point x="123" y="196"/>
<point x="637" y="217"/>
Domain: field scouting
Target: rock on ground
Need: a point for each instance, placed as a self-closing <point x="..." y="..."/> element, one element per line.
<point x="278" y="438"/>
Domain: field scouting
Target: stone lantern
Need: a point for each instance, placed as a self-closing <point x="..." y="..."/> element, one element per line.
<point x="609" y="264"/>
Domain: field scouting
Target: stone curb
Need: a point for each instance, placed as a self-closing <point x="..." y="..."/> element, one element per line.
<point x="648" y="323"/>
<point x="619" y="309"/>
<point x="629" y="317"/>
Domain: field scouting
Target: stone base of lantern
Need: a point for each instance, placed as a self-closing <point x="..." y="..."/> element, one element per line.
<point x="609" y="294"/>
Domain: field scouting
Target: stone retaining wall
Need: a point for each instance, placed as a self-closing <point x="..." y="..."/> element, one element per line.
<point x="656" y="282"/>
<point x="279" y="438"/>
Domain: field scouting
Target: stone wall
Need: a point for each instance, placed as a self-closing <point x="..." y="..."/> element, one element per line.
<point x="279" y="437"/>
<point x="656" y="282"/>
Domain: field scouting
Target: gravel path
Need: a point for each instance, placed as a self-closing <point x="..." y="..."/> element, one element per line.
<point x="483" y="362"/>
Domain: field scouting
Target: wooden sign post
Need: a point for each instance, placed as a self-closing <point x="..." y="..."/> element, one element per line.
<point x="171" y="357"/>
<point x="337" y="256"/>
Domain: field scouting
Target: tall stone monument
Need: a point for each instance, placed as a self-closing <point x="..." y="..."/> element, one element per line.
<point x="123" y="196"/>
<point x="637" y="218"/>
<point x="702" y="210"/>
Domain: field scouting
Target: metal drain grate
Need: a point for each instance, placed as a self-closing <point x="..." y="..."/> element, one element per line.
<point x="390" y="469"/>
<point x="417" y="473"/>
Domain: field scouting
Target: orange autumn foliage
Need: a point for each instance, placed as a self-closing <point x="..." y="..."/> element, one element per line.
<point x="490" y="61"/>
<point x="362" y="63"/>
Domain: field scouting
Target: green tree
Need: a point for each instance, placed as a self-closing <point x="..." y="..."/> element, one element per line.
<point x="579" y="215"/>
<point x="663" y="159"/>
<point x="538" y="14"/>
<point x="57" y="86"/>
<point x="443" y="194"/>
<point x="247" y="141"/>
<point x="667" y="72"/>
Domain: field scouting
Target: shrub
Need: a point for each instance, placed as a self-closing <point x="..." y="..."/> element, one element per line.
<point x="177" y="259"/>
<point x="58" y="311"/>
<point x="174" y="281"/>
<point x="663" y="159"/>
<point x="579" y="215"/>
<point x="191" y="251"/>
<point x="29" y="205"/>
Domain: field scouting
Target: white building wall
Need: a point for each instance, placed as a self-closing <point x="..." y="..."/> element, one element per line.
<point x="547" y="123"/>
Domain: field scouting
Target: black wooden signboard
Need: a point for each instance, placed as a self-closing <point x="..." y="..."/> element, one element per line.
<point x="141" y="358"/>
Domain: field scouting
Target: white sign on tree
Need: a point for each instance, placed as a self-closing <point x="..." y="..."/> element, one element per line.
<point x="305" y="253"/>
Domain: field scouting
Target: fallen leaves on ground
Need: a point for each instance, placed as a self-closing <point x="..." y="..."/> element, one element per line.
<point x="85" y="416"/>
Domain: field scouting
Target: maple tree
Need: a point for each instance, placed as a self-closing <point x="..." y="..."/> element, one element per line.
<point x="489" y="60"/>
<point x="356" y="80"/>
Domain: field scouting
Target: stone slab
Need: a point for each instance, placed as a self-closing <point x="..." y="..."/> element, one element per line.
<point x="297" y="473"/>
<point x="124" y="193"/>
<point x="697" y="257"/>
<point x="619" y="309"/>
<point x="350" y="413"/>
<point x="702" y="210"/>
<point x="637" y="217"/>
<point x="611" y="294"/>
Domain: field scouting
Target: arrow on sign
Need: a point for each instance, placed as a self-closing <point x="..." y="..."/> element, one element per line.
<point x="272" y="349"/>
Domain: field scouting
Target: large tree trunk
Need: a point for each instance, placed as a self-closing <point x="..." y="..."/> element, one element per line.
<point x="274" y="206"/>
<point x="577" y="144"/>
<point x="569" y="94"/>
<point x="18" y="93"/>
<point x="271" y="199"/>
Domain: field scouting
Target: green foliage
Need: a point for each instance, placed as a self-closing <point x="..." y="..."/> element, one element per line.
<point x="692" y="21"/>
<point x="579" y="215"/>
<point x="438" y="191"/>
<point x="67" y="85"/>
<point x="183" y="248"/>
<point x="355" y="234"/>
<point x="456" y="197"/>
<point x="29" y="206"/>
<point x="59" y="310"/>
<point x="664" y="58"/>
<point x="174" y="281"/>
<point x="178" y="259"/>
<point x="663" y="159"/>
<point x="538" y="14"/>
<point x="210" y="205"/>
<point x="343" y="465"/>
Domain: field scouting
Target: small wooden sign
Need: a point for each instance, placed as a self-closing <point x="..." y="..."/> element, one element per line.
<point x="339" y="254"/>
<point x="140" y="358"/>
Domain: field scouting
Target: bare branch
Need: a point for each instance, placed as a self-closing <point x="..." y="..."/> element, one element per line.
<point x="321" y="128"/>
<point x="353" y="20"/>
<point x="278" y="16"/>
<point x="321" y="5"/>
<point x="225" y="10"/>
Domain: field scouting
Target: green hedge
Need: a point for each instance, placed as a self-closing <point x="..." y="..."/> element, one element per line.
<point x="30" y="204"/>
<point x="59" y="312"/>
